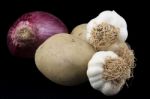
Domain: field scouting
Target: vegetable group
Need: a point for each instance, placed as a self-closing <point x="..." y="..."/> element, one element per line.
<point x="94" y="51"/>
<point x="31" y="30"/>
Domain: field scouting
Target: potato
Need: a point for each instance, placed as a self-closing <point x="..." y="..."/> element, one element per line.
<point x="63" y="59"/>
<point x="79" y="31"/>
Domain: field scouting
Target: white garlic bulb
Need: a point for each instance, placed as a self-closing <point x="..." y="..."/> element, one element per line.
<point x="95" y="73"/>
<point x="112" y="18"/>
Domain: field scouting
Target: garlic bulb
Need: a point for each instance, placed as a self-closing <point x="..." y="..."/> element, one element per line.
<point x="97" y="75"/>
<point x="107" y="28"/>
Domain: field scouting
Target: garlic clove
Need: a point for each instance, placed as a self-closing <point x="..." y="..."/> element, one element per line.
<point x="107" y="89"/>
<point x="94" y="70"/>
<point x="110" y="89"/>
<point x="98" y="84"/>
<point x="92" y="23"/>
<point x="95" y="78"/>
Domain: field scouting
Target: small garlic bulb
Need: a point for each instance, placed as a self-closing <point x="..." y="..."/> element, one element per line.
<point x="96" y="73"/>
<point x="106" y="28"/>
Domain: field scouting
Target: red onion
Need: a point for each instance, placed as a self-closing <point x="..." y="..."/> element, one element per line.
<point x="30" y="30"/>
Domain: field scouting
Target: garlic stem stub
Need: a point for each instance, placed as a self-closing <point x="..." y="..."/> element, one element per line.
<point x="107" y="72"/>
<point x="107" y="28"/>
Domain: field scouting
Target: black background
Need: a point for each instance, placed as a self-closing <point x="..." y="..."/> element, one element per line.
<point x="19" y="78"/>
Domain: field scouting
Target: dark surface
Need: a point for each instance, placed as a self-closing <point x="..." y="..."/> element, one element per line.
<point x="19" y="78"/>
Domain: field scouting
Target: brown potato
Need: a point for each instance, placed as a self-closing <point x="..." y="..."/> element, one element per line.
<point x="63" y="59"/>
<point x="79" y="31"/>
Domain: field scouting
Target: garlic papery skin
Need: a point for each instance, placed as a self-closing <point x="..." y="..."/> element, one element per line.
<point x="95" y="73"/>
<point x="109" y="17"/>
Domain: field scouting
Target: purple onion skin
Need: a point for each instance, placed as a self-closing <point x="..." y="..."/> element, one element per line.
<point x="31" y="30"/>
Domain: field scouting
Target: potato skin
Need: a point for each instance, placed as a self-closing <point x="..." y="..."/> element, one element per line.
<point x="63" y="59"/>
<point x="79" y="31"/>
